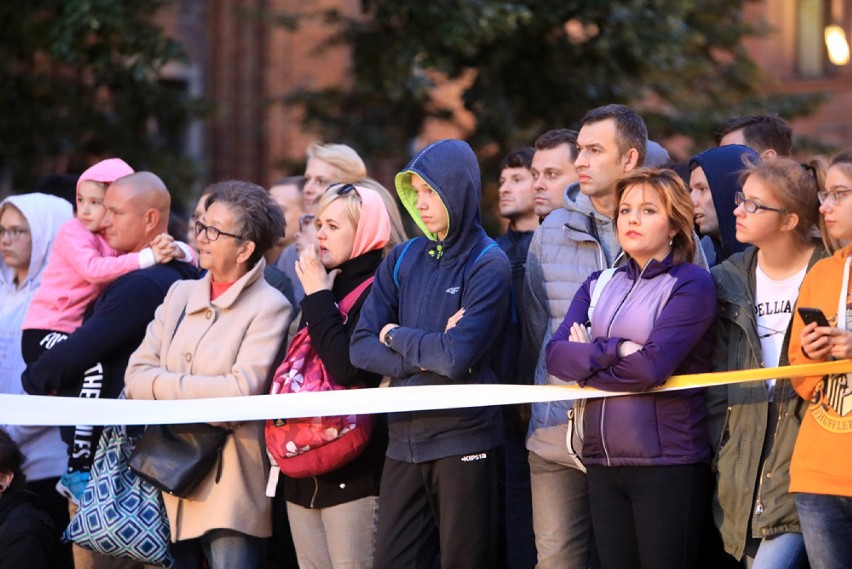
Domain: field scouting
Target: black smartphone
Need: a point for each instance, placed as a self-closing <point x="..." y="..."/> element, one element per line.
<point x="813" y="315"/>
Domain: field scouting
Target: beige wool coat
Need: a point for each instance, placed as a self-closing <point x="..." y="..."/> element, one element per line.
<point x="222" y="348"/>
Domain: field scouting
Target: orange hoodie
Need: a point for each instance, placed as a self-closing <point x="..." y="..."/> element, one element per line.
<point x="822" y="458"/>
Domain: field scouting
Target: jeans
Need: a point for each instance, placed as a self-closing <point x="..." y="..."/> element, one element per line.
<point x="334" y="537"/>
<point x="223" y="548"/>
<point x="561" y="515"/>
<point x="827" y="527"/>
<point x="783" y="551"/>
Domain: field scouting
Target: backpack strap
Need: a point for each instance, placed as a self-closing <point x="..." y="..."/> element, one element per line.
<point x="600" y="283"/>
<point x="487" y="243"/>
<point x="399" y="260"/>
<point x="350" y="299"/>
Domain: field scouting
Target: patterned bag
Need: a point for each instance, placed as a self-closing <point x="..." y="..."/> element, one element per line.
<point x="120" y="514"/>
<point x="311" y="446"/>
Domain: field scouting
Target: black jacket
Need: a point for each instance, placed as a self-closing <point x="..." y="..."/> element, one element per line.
<point x="330" y="337"/>
<point x="114" y="328"/>
<point x="27" y="538"/>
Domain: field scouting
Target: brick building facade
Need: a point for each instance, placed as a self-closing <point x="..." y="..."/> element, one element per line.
<point x="245" y="66"/>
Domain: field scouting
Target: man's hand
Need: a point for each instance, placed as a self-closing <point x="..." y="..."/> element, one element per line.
<point x="454" y="319"/>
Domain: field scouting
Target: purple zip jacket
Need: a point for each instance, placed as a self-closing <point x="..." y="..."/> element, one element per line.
<point x="669" y="309"/>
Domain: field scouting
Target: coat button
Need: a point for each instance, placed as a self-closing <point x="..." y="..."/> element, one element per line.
<point x="209" y="314"/>
<point x="769" y="475"/>
<point x="188" y="357"/>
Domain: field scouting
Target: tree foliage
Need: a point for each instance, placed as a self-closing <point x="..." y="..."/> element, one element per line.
<point x="540" y="64"/>
<point x="81" y="80"/>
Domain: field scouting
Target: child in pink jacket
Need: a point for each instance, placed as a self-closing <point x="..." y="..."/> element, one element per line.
<point x="81" y="264"/>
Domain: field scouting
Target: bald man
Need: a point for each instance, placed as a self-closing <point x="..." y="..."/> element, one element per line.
<point x="91" y="361"/>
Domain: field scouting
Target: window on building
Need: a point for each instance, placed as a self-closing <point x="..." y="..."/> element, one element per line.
<point x="812" y="58"/>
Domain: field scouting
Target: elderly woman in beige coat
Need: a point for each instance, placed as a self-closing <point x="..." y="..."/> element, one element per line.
<point x="216" y="337"/>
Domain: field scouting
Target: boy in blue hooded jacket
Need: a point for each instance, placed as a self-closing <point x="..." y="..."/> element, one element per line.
<point x="432" y="319"/>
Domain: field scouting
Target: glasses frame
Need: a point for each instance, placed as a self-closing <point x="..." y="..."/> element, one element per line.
<point x="216" y="232"/>
<point x="14" y="233"/>
<point x="825" y="197"/>
<point x="751" y="206"/>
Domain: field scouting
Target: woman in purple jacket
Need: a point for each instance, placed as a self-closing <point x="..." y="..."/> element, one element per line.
<point x="647" y="454"/>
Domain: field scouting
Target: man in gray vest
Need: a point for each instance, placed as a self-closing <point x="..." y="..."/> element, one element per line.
<point x="572" y="242"/>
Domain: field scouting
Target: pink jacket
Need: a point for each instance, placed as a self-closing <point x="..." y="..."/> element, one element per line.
<point x="80" y="265"/>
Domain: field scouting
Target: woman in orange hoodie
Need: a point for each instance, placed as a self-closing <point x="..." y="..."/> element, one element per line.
<point x="821" y="471"/>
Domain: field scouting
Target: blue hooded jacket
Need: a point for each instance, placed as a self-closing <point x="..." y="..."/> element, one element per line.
<point x="435" y="281"/>
<point x="722" y="166"/>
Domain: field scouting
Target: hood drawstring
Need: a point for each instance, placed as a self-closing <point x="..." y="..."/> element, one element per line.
<point x="593" y="227"/>
<point x="438" y="251"/>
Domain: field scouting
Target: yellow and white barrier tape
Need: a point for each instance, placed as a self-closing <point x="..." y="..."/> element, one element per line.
<point x="42" y="410"/>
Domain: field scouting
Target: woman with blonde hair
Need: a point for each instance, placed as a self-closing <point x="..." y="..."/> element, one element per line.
<point x="332" y="516"/>
<point x="647" y="454"/>
<point x="338" y="163"/>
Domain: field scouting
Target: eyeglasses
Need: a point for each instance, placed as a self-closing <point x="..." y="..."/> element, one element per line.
<point x="835" y="196"/>
<point x="212" y="233"/>
<point x="14" y="233"/>
<point x="752" y="206"/>
<point x="306" y="219"/>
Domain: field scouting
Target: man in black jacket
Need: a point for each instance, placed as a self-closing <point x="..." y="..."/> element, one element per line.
<point x="91" y="361"/>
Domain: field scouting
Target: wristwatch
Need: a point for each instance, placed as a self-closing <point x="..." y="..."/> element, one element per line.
<point x="388" y="339"/>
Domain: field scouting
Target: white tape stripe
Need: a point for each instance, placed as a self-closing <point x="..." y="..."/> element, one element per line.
<point x="40" y="410"/>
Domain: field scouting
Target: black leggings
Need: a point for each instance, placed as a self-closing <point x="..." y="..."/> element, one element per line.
<point x="648" y="516"/>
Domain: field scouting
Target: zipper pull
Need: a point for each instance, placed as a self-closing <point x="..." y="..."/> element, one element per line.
<point x="758" y="508"/>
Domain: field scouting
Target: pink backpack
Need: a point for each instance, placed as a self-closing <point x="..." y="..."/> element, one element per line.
<point x="310" y="446"/>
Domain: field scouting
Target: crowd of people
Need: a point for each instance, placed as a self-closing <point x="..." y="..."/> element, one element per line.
<point x="618" y="269"/>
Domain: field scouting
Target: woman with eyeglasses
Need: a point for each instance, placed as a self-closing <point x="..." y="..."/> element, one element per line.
<point x="753" y="426"/>
<point x="29" y="224"/>
<point x="333" y="516"/>
<point x="821" y="471"/>
<point x="217" y="337"/>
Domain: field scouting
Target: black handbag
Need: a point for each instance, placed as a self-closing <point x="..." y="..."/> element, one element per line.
<point x="176" y="458"/>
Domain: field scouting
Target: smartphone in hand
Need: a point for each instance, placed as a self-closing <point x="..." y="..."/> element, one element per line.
<point x="813" y="315"/>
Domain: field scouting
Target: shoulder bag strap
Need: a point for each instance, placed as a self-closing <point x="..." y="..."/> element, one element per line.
<point x="350" y="299"/>
<point x="603" y="278"/>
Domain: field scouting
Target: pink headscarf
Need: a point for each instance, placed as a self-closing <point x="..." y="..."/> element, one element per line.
<point x="106" y="171"/>
<point x="373" y="229"/>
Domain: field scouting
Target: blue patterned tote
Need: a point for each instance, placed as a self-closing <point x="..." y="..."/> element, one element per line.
<point x="120" y="514"/>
